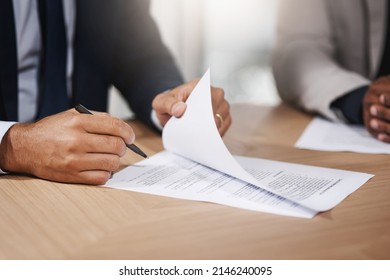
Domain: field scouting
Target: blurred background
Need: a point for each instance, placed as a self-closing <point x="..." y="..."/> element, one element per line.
<point x="232" y="37"/>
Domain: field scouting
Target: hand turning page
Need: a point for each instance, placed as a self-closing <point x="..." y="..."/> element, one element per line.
<point x="196" y="137"/>
<point x="197" y="165"/>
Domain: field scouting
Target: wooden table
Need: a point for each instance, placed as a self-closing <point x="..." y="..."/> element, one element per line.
<point x="45" y="220"/>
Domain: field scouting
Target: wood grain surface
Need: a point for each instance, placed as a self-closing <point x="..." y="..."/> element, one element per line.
<point x="45" y="220"/>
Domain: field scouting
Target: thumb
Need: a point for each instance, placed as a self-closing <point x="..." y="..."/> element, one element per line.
<point x="169" y="104"/>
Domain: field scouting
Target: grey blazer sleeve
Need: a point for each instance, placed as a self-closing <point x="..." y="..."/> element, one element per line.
<point x="307" y="63"/>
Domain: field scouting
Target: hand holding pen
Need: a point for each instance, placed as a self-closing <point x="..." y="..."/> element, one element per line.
<point x="81" y="109"/>
<point x="67" y="147"/>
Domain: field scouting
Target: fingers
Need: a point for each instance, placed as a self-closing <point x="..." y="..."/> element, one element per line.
<point x="94" y="177"/>
<point x="98" y="133"/>
<point x="104" y="144"/>
<point x="384" y="137"/>
<point x="223" y="123"/>
<point x="376" y="109"/>
<point x="89" y="177"/>
<point x="221" y="109"/>
<point x="92" y="165"/>
<point x="105" y="124"/>
<point x="384" y="99"/>
<point x="379" y="126"/>
<point x="380" y="112"/>
<point x="67" y="147"/>
<point x="171" y="103"/>
<point x="380" y="130"/>
<point x="92" y="168"/>
<point x="92" y="161"/>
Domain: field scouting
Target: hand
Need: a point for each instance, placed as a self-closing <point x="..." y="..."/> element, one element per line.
<point x="67" y="147"/>
<point x="376" y="109"/>
<point x="172" y="104"/>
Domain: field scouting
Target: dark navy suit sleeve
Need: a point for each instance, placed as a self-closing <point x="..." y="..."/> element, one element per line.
<point x="351" y="105"/>
<point x="143" y="66"/>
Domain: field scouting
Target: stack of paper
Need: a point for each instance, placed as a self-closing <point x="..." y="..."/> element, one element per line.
<point x="324" y="135"/>
<point x="196" y="165"/>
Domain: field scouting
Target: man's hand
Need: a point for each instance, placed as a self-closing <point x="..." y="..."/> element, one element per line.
<point x="376" y="109"/>
<point x="67" y="147"/>
<point x="172" y="104"/>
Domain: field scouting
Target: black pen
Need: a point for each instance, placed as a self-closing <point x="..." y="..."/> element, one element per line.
<point x="81" y="109"/>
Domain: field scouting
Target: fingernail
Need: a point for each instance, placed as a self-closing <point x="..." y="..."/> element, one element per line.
<point x="178" y="108"/>
<point x="381" y="137"/>
<point x="373" y="111"/>
<point x="374" y="124"/>
<point x="132" y="139"/>
<point x="382" y="99"/>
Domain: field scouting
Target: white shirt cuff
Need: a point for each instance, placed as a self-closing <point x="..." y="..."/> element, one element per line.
<point x="156" y="121"/>
<point x="4" y="126"/>
<point x="340" y="116"/>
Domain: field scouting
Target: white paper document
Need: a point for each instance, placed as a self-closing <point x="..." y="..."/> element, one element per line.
<point x="324" y="135"/>
<point x="196" y="165"/>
